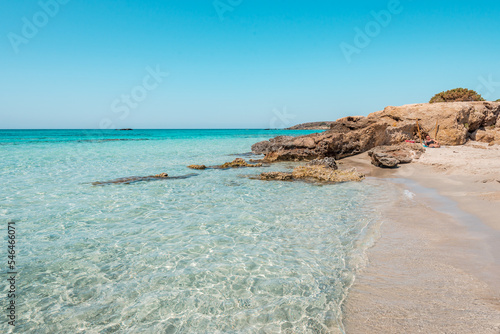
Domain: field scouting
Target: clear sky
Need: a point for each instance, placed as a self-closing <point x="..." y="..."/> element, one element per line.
<point x="236" y="63"/>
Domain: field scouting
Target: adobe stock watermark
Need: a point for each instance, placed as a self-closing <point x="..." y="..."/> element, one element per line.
<point x="30" y="27"/>
<point x="224" y="6"/>
<point x="364" y="37"/>
<point x="139" y="93"/>
<point x="488" y="87"/>
<point x="281" y="119"/>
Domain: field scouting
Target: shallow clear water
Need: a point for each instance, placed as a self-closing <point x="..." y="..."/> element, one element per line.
<point x="214" y="253"/>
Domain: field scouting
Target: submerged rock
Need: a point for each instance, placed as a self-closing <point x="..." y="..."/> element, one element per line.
<point x="197" y="166"/>
<point x="134" y="179"/>
<point x="392" y="156"/>
<point x="280" y="176"/>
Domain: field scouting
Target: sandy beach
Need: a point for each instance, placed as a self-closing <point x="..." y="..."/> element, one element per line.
<point x="436" y="265"/>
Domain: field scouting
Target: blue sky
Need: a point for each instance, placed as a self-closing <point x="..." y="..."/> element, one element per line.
<point x="235" y="63"/>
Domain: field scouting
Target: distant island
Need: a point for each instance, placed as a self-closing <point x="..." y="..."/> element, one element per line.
<point x="312" y="126"/>
<point x="126" y="129"/>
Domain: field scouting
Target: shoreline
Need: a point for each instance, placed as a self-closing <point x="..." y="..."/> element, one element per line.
<point x="436" y="265"/>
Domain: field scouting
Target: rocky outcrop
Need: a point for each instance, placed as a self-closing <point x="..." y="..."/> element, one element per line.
<point x="392" y="156"/>
<point x="456" y="122"/>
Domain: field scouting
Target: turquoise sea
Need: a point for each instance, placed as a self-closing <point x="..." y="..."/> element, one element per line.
<point x="214" y="253"/>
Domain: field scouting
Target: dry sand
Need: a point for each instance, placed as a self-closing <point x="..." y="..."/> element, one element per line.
<point x="436" y="266"/>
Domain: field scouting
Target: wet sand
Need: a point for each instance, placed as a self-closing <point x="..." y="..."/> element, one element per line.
<point x="436" y="266"/>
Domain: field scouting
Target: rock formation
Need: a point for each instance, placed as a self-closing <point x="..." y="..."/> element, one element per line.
<point x="456" y="122"/>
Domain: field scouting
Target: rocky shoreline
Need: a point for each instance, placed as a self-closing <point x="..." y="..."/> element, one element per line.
<point x="451" y="123"/>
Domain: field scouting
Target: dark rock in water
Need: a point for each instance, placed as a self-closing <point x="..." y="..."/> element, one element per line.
<point x="247" y="154"/>
<point x="197" y="166"/>
<point x="328" y="162"/>
<point x="133" y="179"/>
<point x="280" y="176"/>
<point x="126" y="129"/>
<point x="392" y="156"/>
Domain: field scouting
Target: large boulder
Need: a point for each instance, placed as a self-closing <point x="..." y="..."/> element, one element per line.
<point x="392" y="156"/>
<point x="456" y="122"/>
